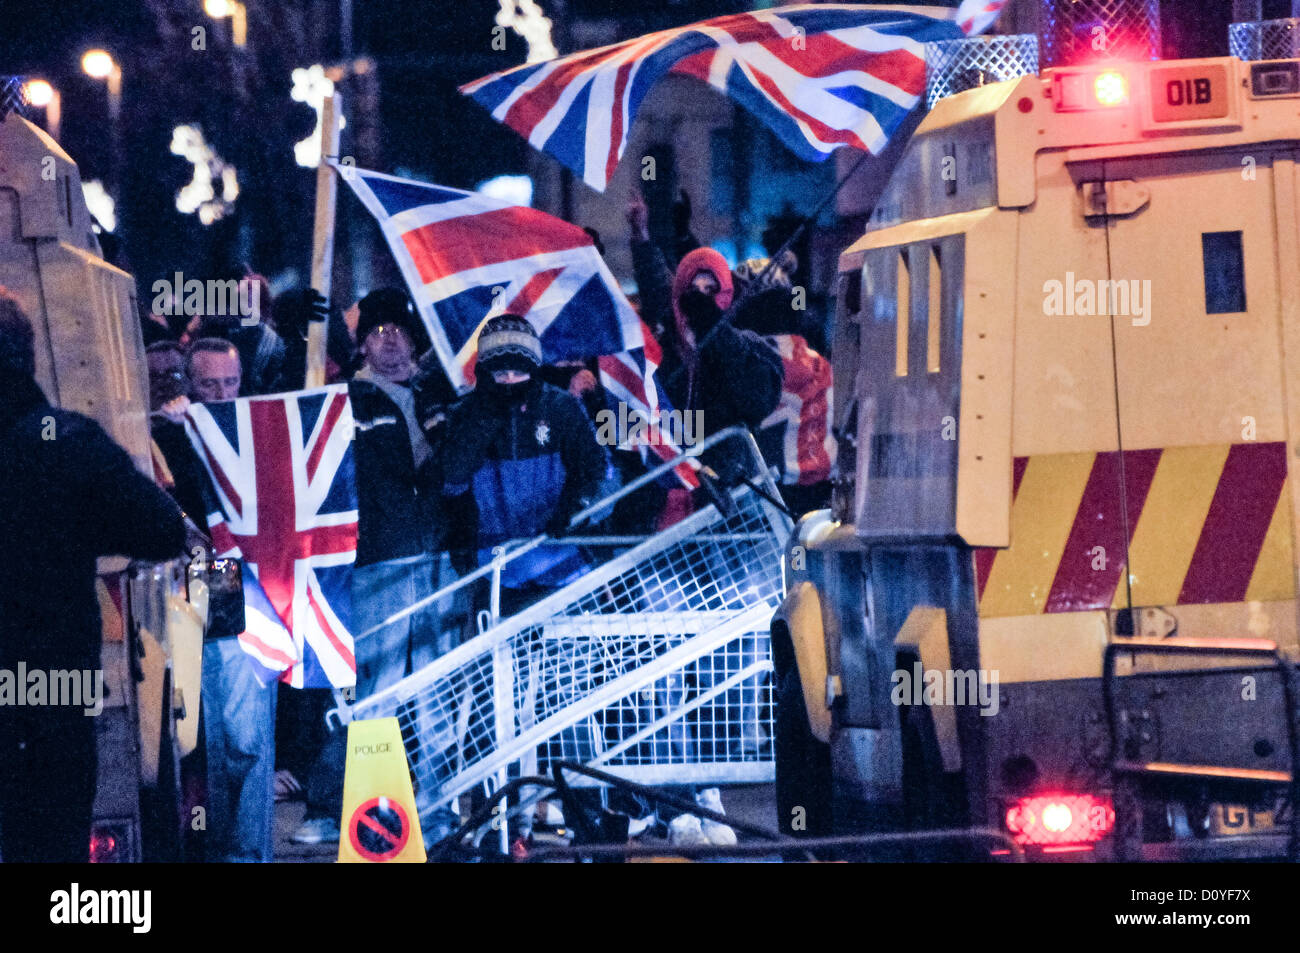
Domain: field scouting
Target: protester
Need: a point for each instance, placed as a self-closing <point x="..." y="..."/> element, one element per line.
<point x="796" y="437"/>
<point x="520" y="459"/>
<point x="181" y="471"/>
<point x="732" y="378"/>
<point x="261" y="351"/>
<point x="68" y="494"/>
<point x="238" y="710"/>
<point x="397" y="523"/>
<point x="390" y="339"/>
<point x="214" y="369"/>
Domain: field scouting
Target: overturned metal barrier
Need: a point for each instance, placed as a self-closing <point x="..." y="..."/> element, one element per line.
<point x="653" y="665"/>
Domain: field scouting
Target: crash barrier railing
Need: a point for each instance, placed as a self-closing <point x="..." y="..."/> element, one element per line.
<point x="653" y="664"/>
<point x="591" y="841"/>
<point x="1122" y="766"/>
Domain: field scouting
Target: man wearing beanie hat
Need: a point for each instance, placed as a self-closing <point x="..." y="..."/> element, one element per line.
<point x="520" y="459"/>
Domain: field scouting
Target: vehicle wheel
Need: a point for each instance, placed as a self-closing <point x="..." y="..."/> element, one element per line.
<point x="803" y="764"/>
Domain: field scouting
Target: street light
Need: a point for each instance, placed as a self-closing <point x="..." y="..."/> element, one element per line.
<point x="42" y="95"/>
<point x="97" y="64"/>
<point x="238" y="13"/>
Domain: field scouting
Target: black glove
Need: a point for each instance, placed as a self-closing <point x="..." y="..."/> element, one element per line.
<point x="559" y="523"/>
<point x="298" y="308"/>
<point x="682" y="214"/>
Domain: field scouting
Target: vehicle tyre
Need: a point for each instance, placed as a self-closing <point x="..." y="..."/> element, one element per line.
<point x="803" y="764"/>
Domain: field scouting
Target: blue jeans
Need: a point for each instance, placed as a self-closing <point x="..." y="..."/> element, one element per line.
<point x="239" y="737"/>
<point x="384" y="657"/>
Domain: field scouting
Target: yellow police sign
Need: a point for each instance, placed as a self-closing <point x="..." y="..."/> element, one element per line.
<point x="380" y="823"/>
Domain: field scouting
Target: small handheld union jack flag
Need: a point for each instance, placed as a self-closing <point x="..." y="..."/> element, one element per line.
<point x="282" y="473"/>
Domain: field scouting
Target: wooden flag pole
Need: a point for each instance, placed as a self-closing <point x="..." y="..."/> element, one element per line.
<point x="322" y="247"/>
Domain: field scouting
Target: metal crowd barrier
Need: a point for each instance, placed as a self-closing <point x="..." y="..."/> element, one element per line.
<point x="653" y="665"/>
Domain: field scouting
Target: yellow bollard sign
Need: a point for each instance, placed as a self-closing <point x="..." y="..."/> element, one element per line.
<point x="380" y="823"/>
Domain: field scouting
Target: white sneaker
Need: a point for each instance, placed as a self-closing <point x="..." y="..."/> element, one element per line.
<point x="717" y="834"/>
<point x="636" y="826"/>
<point x="549" y="814"/>
<point x="316" y="830"/>
<point x="685" y="831"/>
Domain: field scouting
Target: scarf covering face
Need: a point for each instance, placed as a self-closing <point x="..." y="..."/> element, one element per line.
<point x="694" y="262"/>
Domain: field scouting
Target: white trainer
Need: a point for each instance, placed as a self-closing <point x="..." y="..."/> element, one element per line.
<point x="717" y="833"/>
<point x="685" y="831"/>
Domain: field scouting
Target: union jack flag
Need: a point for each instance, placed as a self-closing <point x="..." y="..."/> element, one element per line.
<point x="466" y="257"/>
<point x="820" y="76"/>
<point x="629" y="377"/>
<point x="282" y="473"/>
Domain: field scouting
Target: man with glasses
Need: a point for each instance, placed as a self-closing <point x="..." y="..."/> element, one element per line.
<point x="396" y="529"/>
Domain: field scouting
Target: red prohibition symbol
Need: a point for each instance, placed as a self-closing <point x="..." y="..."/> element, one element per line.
<point x="379" y="829"/>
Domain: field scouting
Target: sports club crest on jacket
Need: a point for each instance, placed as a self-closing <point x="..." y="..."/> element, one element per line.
<point x="281" y="471"/>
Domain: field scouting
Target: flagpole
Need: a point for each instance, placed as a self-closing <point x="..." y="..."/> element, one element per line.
<point x="322" y="249"/>
<point x="752" y="287"/>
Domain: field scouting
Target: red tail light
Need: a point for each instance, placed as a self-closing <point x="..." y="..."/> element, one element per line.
<point x="1092" y="89"/>
<point x="108" y="843"/>
<point x="1111" y="88"/>
<point x="1057" y="819"/>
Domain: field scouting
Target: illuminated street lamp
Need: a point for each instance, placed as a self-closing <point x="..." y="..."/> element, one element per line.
<point x="42" y="95"/>
<point x="97" y="64"/>
<point x="238" y="13"/>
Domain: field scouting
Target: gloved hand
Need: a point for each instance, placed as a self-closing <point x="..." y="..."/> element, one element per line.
<point x="682" y="214"/>
<point x="558" y="524"/>
<point x="298" y="308"/>
<point x="175" y="409"/>
<point x="318" y="304"/>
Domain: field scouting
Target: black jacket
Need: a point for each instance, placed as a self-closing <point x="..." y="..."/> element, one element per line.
<point x="68" y="494"/>
<point x="516" y="471"/>
<point x="737" y="381"/>
<point x="187" y="470"/>
<point x="397" y="506"/>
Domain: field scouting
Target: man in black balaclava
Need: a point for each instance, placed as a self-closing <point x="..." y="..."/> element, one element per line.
<point x="520" y="459"/>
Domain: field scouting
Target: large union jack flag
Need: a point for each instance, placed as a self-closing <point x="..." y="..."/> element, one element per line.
<point x="466" y="256"/>
<point x="282" y="473"/>
<point x="819" y="76"/>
